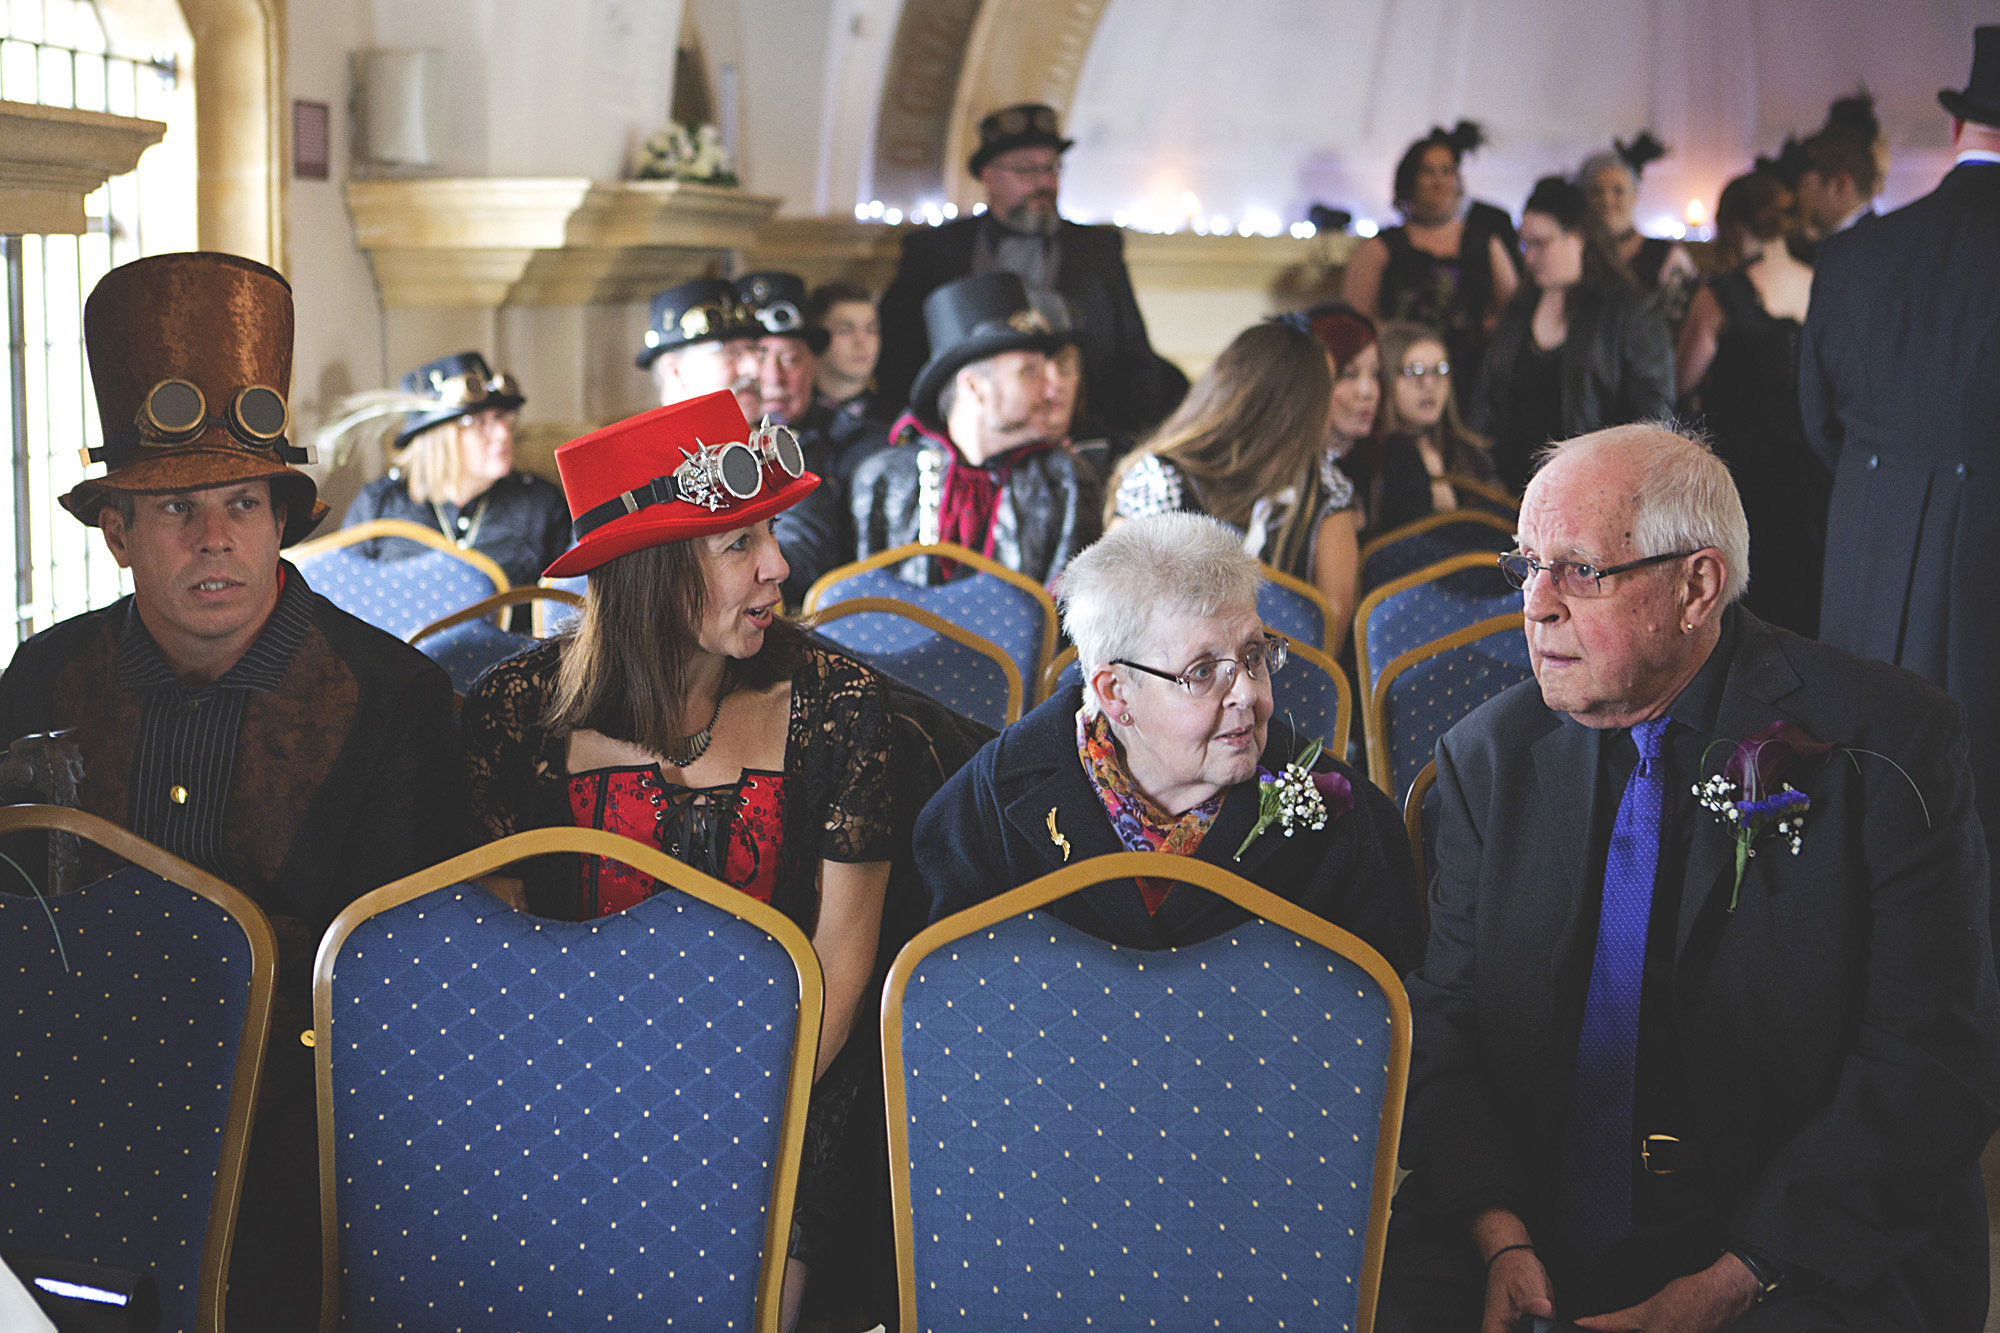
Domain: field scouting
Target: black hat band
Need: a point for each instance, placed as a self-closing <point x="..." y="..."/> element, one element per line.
<point x="714" y="477"/>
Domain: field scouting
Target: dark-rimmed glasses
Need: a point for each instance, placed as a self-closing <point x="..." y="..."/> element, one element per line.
<point x="1573" y="578"/>
<point x="1217" y="675"/>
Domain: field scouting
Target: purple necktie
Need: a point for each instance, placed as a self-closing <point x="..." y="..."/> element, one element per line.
<point x="1599" y="1146"/>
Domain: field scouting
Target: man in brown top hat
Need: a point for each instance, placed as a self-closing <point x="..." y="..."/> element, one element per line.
<point x="224" y="710"/>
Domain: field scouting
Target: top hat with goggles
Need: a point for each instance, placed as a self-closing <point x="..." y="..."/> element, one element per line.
<point x="705" y="310"/>
<point x="461" y="384"/>
<point x="681" y="471"/>
<point x="191" y="357"/>
<point x="1979" y="100"/>
<point x="974" y="318"/>
<point x="1028" y="125"/>
<point x="777" y="301"/>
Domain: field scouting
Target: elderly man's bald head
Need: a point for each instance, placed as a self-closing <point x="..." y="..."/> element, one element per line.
<point x="1639" y="542"/>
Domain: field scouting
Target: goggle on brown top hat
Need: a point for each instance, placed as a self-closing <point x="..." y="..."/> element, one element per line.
<point x="191" y="357"/>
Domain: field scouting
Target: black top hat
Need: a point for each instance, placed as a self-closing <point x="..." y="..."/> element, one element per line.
<point x="972" y="319"/>
<point x="462" y="384"/>
<point x="705" y="310"/>
<point x="1980" y="100"/>
<point x="1028" y="125"/>
<point x="777" y="301"/>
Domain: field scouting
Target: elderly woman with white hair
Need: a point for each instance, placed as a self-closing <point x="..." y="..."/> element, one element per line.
<point x="1165" y="747"/>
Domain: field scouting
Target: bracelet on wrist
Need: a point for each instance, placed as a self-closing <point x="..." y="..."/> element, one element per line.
<point x="1504" y="1249"/>
<point x="1767" y="1275"/>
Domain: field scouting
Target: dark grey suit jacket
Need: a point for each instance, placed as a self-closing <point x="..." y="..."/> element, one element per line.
<point x="1838" y="1034"/>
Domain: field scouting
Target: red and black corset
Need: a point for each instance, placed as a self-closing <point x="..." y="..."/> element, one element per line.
<point x="733" y="832"/>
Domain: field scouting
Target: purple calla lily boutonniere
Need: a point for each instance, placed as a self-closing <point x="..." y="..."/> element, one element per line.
<point x="1749" y="797"/>
<point x="1298" y="798"/>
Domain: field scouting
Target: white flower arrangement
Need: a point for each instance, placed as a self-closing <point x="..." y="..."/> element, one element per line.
<point x="677" y="153"/>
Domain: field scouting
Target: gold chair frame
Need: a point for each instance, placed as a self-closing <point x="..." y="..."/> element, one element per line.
<point x="896" y="555"/>
<point x="1429" y="522"/>
<point x="408" y="531"/>
<point x="527" y="593"/>
<point x="595" y="842"/>
<point x="1430" y="573"/>
<point x="937" y="624"/>
<point x="1375" y="724"/>
<point x="1485" y="490"/>
<point x="250" y="1047"/>
<point x="1413" y="825"/>
<point x="1186" y="870"/>
<point x="1299" y="587"/>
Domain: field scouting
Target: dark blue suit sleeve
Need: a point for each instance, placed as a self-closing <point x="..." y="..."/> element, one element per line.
<point x="958" y="839"/>
<point x="1824" y="431"/>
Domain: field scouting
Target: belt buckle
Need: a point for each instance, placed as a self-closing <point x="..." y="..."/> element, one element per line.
<point x="1646" y="1153"/>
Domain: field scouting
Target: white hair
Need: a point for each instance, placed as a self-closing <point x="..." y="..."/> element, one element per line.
<point x="1146" y="569"/>
<point x="1684" y="499"/>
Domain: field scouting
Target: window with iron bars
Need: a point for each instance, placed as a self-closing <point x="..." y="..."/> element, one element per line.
<point x="55" y="53"/>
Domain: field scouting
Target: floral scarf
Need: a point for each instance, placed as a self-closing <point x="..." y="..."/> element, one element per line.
<point x="1141" y="825"/>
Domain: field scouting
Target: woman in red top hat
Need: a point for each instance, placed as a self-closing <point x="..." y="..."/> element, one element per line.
<point x="685" y="712"/>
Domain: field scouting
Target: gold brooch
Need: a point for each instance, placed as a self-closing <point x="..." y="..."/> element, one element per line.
<point x="1055" y="835"/>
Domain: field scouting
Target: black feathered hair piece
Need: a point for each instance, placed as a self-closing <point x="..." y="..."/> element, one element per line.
<point x="1855" y="113"/>
<point x="1788" y="165"/>
<point x="1460" y="139"/>
<point x="1467" y="136"/>
<point x="1640" y="152"/>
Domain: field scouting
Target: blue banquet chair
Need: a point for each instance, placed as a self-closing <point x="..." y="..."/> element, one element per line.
<point x="465" y="643"/>
<point x="398" y="595"/>
<point x="564" y="1124"/>
<point x="138" y="1010"/>
<point x="1294" y="608"/>
<point x="1427" y="604"/>
<point x="954" y="666"/>
<point x="993" y="601"/>
<point x="1190" y="1138"/>
<point x="1427" y="540"/>
<point x="1427" y="689"/>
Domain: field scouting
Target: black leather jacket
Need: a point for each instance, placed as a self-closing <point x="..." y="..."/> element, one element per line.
<point x="1617" y="362"/>
<point x="1051" y="506"/>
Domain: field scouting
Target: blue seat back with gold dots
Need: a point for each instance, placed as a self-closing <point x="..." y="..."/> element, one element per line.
<point x="1405" y="555"/>
<point x="1291" y="615"/>
<point x="398" y="595"/>
<point x="1000" y="612"/>
<point x="1175" y="1139"/>
<point x="1427" y="698"/>
<point x="1428" y="611"/>
<point x="564" y="1125"/>
<point x="967" y="677"/>
<point x="467" y="649"/>
<point x="1308" y="699"/>
<point x="117" y="1058"/>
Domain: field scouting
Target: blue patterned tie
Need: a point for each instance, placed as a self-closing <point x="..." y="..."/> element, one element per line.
<point x="1598" y="1176"/>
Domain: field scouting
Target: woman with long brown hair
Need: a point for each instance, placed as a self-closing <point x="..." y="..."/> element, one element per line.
<point x="1249" y="446"/>
<point x="686" y="713"/>
<point x="1425" y="442"/>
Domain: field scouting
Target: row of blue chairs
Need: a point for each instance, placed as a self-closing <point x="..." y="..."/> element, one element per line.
<point x="579" y="1124"/>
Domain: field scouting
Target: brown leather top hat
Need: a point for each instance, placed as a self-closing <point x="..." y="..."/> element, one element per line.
<point x="191" y="355"/>
<point x="1980" y="99"/>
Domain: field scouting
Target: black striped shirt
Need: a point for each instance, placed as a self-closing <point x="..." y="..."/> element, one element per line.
<point x="186" y="751"/>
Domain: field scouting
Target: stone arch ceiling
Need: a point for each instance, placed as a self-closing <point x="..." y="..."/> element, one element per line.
<point x="1271" y="104"/>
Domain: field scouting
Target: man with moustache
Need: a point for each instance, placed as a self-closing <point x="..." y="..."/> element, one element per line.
<point x="224" y="710"/>
<point x="1656" y="1085"/>
<point x="1071" y="272"/>
<point x="978" y="460"/>
<point x="700" y="337"/>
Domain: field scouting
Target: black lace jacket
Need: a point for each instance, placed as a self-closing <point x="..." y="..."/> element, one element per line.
<point x="839" y="804"/>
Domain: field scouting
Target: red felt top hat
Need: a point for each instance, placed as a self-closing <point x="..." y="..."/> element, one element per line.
<point x="673" y="473"/>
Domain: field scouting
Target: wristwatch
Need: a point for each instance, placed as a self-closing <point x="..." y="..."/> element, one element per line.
<point x="1767" y="1275"/>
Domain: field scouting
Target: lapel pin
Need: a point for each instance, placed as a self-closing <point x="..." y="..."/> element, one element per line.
<point x="1055" y="835"/>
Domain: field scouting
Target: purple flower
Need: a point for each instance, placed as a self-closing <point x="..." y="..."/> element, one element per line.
<point x="1772" y="806"/>
<point x="1753" y="766"/>
<point x="1336" y="791"/>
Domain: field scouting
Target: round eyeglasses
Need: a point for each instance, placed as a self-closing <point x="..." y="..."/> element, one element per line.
<point x="1573" y="578"/>
<point x="1417" y="370"/>
<point x="1211" y="677"/>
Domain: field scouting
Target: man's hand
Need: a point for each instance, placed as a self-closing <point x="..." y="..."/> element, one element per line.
<point x="1516" y="1282"/>
<point x="1516" y="1285"/>
<point x="1698" y="1303"/>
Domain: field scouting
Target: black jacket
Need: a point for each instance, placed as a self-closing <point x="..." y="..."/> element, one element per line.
<point x="1126" y="385"/>
<point x="1837" y="1034"/>
<point x="1051" y="506"/>
<point x="1899" y="382"/>
<point x="987" y="831"/>
<point x="1617" y="366"/>
<point x="522" y="522"/>
<point x="817" y="533"/>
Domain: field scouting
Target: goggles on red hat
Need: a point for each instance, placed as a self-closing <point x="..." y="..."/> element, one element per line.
<point x="714" y="476"/>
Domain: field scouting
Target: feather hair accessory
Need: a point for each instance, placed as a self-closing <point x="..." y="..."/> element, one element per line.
<point x="1465" y="137"/>
<point x="1855" y="113"/>
<point x="335" y="439"/>
<point x="1642" y="151"/>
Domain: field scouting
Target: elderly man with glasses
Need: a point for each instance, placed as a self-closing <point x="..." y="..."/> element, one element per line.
<point x="1075" y="274"/>
<point x="1707" y="1033"/>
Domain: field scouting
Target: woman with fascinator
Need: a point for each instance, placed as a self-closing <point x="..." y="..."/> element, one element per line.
<point x="684" y="711"/>
<point x="1610" y="181"/>
<point x="1451" y="264"/>
<point x="453" y="468"/>
<point x="1170" y="745"/>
